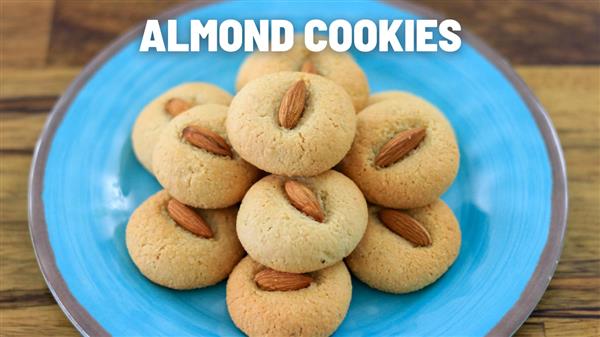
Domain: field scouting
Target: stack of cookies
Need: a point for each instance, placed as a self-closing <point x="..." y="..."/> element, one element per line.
<point x="283" y="172"/>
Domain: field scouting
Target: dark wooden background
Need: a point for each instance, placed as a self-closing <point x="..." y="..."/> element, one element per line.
<point x="554" y="45"/>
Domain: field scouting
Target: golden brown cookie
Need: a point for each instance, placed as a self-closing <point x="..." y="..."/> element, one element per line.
<point x="313" y="311"/>
<point x="392" y="127"/>
<point x="171" y="255"/>
<point x="279" y="232"/>
<point x="195" y="164"/>
<point x="389" y="262"/>
<point x="392" y="94"/>
<point x="337" y="67"/>
<point x="291" y="123"/>
<point x="157" y="114"/>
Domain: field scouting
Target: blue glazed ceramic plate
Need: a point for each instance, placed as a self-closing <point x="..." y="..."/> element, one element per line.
<point x="509" y="196"/>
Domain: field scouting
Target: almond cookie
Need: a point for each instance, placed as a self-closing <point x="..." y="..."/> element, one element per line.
<point x="179" y="247"/>
<point x="404" y="251"/>
<point x="404" y="155"/>
<point x="337" y="67"/>
<point x="392" y="94"/>
<point x="194" y="163"/>
<point x="157" y="114"/>
<point x="262" y="302"/>
<point x="292" y="123"/>
<point x="303" y="224"/>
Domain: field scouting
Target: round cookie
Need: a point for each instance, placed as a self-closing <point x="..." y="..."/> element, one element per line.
<point x="321" y="138"/>
<point x="279" y="236"/>
<point x="388" y="262"/>
<point x="313" y="311"/>
<point x="392" y="94"/>
<point x="173" y="257"/>
<point x="337" y="67"/>
<point x="154" y="117"/>
<point x="420" y="177"/>
<point x="194" y="175"/>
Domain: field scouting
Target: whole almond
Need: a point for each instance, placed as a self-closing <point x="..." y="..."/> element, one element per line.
<point x="175" y="106"/>
<point x="301" y="197"/>
<point x="206" y="139"/>
<point x="405" y="226"/>
<point x="308" y="67"/>
<point x="399" y="146"/>
<point x="272" y="280"/>
<point x="189" y="219"/>
<point x="292" y="105"/>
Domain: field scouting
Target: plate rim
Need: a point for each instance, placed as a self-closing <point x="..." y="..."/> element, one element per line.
<point x="508" y="324"/>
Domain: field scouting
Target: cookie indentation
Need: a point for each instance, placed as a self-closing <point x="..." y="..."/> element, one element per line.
<point x="273" y="280"/>
<point x="292" y="105"/>
<point x="405" y="226"/>
<point x="206" y="139"/>
<point x="176" y="105"/>
<point x="189" y="219"/>
<point x="399" y="146"/>
<point x="303" y="198"/>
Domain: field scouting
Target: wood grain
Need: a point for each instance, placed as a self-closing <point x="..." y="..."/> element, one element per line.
<point x="25" y="32"/>
<point x="17" y="82"/>
<point x="19" y="131"/>
<point x="75" y="41"/>
<point x="34" y="75"/>
<point x="13" y="188"/>
<point x="47" y="320"/>
<point x="530" y="31"/>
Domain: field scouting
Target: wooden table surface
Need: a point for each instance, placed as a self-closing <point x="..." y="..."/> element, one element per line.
<point x="553" y="45"/>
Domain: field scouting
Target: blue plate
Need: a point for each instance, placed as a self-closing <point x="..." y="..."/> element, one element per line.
<point x="509" y="196"/>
